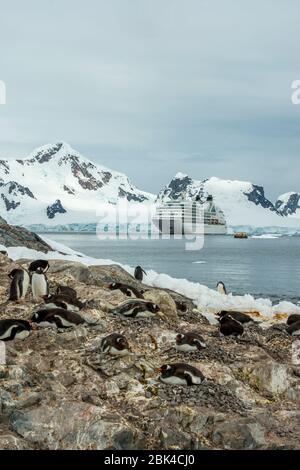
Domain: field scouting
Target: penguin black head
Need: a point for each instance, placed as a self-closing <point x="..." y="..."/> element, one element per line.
<point x="12" y="274"/>
<point x="114" y="285"/>
<point x="151" y="307"/>
<point x="39" y="263"/>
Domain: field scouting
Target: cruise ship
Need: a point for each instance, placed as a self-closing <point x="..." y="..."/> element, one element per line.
<point x="187" y="217"/>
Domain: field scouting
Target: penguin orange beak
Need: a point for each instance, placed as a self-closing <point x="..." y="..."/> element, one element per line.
<point x="159" y="369"/>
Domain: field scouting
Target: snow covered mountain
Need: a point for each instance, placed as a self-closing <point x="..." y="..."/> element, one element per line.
<point x="242" y="202"/>
<point x="289" y="204"/>
<point x="56" y="184"/>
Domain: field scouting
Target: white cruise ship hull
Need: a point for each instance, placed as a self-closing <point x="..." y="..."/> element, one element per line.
<point x="176" y="227"/>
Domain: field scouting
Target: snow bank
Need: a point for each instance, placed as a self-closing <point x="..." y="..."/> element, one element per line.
<point x="208" y="301"/>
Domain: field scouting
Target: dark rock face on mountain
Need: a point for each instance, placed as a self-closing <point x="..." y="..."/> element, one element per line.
<point x="257" y="195"/>
<point x="289" y="204"/>
<point x="56" y="208"/>
<point x="176" y="188"/>
<point x="57" y="391"/>
<point x="18" y="236"/>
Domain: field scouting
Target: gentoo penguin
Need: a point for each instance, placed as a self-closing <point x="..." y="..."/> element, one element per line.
<point x="115" y="344"/>
<point x="230" y="327"/>
<point x="189" y="342"/>
<point x="180" y="374"/>
<point x="14" y="329"/>
<point x="39" y="284"/>
<point x="138" y="273"/>
<point x="126" y="289"/>
<point x="60" y="317"/>
<point x="136" y="308"/>
<point x="293" y="319"/>
<point x="19" y="284"/>
<point x="239" y="316"/>
<point x="39" y="263"/>
<point x="221" y="288"/>
<point x="63" y="301"/>
<point x="66" y="290"/>
<point x="294" y="328"/>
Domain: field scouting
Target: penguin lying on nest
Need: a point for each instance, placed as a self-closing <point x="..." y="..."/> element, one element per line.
<point x="58" y="316"/>
<point x="180" y="374"/>
<point x="20" y="281"/>
<point x="293" y="318"/>
<point x="126" y="289"/>
<point x="188" y="342"/>
<point x="63" y="301"/>
<point x="294" y="328"/>
<point x="230" y="327"/>
<point x="66" y="290"/>
<point x="115" y="344"/>
<point x="14" y="329"/>
<point x="136" y="308"/>
<point x="239" y="316"/>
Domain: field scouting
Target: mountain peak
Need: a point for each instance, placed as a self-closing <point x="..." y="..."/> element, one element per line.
<point x="47" y="152"/>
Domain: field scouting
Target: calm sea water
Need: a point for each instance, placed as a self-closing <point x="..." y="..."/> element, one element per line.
<point x="262" y="267"/>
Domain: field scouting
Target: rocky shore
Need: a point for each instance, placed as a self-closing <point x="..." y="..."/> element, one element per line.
<point x="57" y="391"/>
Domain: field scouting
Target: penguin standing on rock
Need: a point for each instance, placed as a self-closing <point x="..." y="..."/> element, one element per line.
<point x="239" y="316"/>
<point x="19" y="284"/>
<point x="60" y="317"/>
<point x="180" y="374"/>
<point x="39" y="263"/>
<point x="39" y="284"/>
<point x="139" y="273"/>
<point x="230" y="327"/>
<point x="126" y="289"/>
<point x="115" y="344"/>
<point x="221" y="288"/>
<point x="136" y="308"/>
<point x="11" y="329"/>
<point x="189" y="342"/>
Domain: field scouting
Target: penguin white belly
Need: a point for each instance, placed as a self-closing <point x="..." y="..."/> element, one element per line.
<point x="296" y="333"/>
<point x="7" y="333"/>
<point x="195" y="380"/>
<point x="72" y="307"/>
<point x="145" y="314"/>
<point x="185" y="347"/>
<point x="51" y="305"/>
<point x="117" y="352"/>
<point x="173" y="380"/>
<point x="46" y="324"/>
<point x="22" y="334"/>
<point x="39" y="286"/>
<point x="26" y="282"/>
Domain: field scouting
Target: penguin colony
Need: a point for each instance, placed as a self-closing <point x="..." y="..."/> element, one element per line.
<point x="62" y="311"/>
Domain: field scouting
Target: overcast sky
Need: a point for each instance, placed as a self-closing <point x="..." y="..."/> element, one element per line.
<point x="152" y="87"/>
